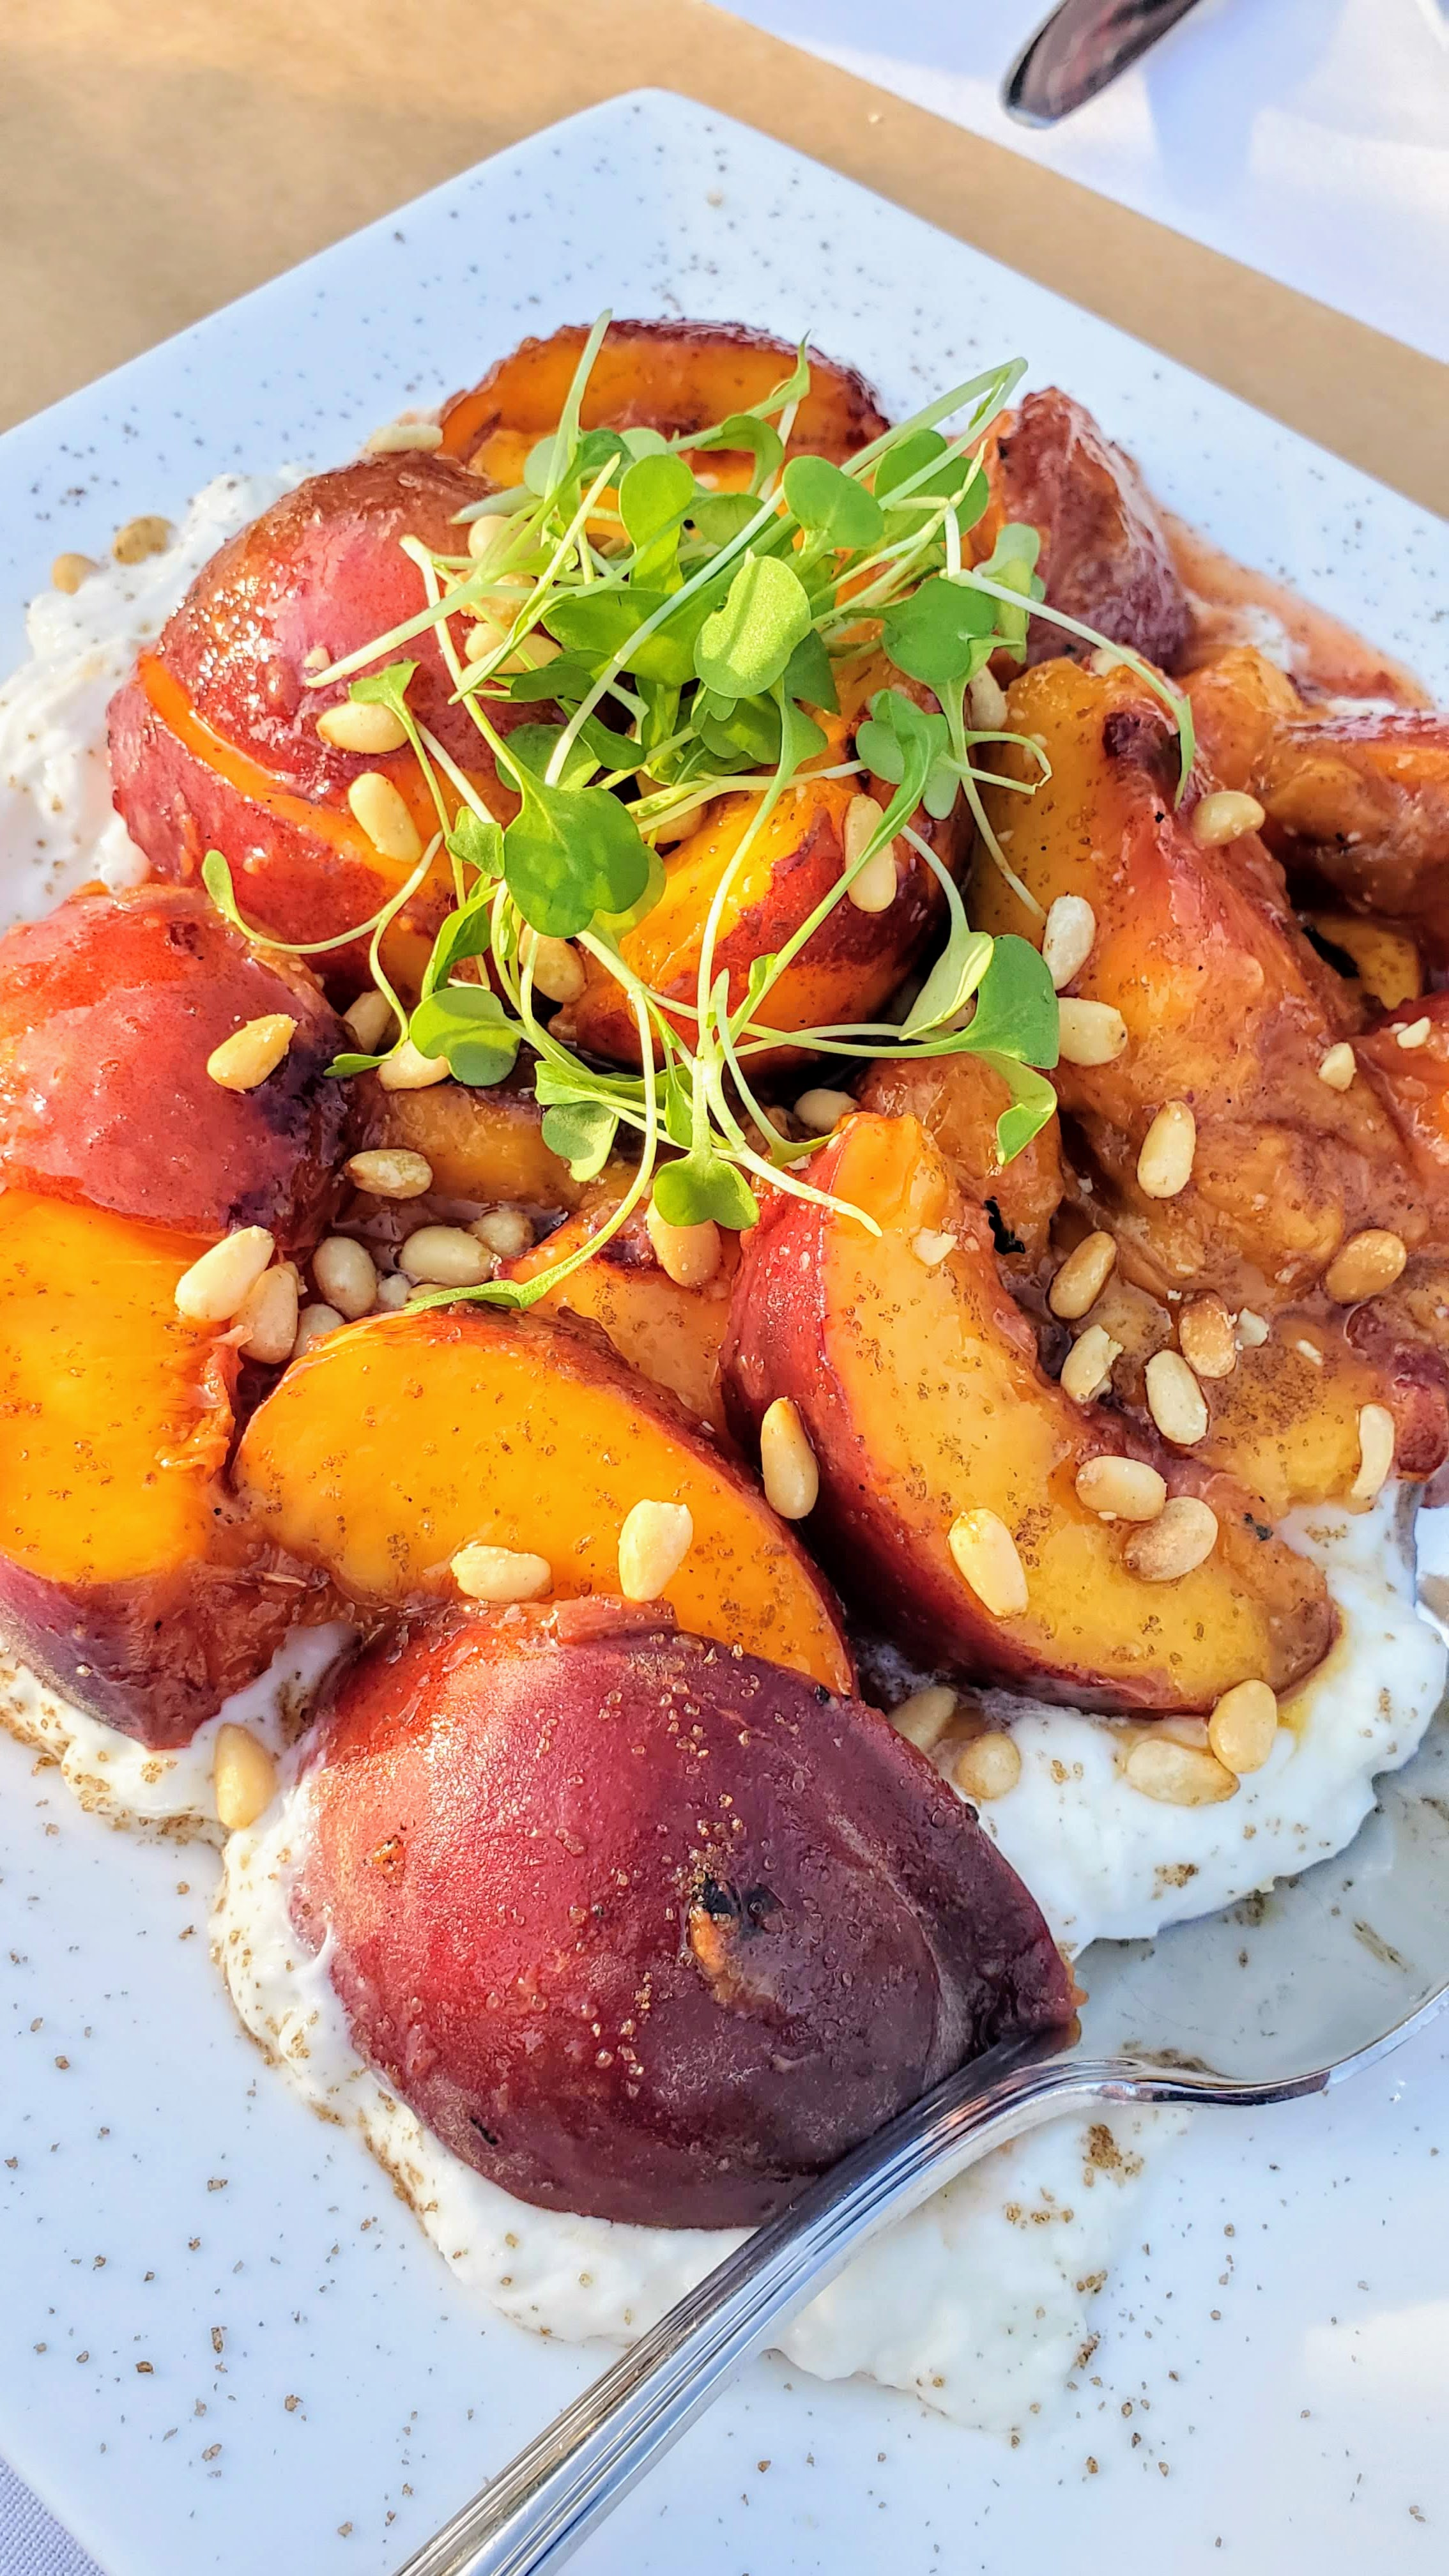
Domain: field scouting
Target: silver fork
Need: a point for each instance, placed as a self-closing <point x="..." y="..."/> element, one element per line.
<point x="1288" y="1994"/>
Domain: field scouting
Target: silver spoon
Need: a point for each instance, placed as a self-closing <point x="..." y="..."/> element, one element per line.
<point x="1285" y="1995"/>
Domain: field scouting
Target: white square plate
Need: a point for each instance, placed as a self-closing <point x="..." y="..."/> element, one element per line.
<point x="224" y="2344"/>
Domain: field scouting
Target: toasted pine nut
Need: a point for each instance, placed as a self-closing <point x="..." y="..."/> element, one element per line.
<point x="501" y="1573"/>
<point x="354" y="725"/>
<point x="346" y="1274"/>
<point x="1175" y="1400"/>
<point x="1180" y="1540"/>
<point x="392" y="1292"/>
<point x="1121" y="1489"/>
<point x="988" y="1767"/>
<point x="820" y="1112"/>
<point x="216" y="1287"/>
<point x="313" y="1324"/>
<point x="653" y="1544"/>
<point x="141" y="537"/>
<point x="268" y="1315"/>
<point x="489" y="538"/>
<point x="1242" y="1727"/>
<point x="1206" y="1338"/>
<point x="1177" y="1776"/>
<point x="1087" y="1368"/>
<point x="1225" y="816"/>
<point x="408" y="1069"/>
<point x="1376" y="1438"/>
<point x="444" y="1256"/>
<point x="245" y="1059"/>
<point x="384" y="817"/>
<point x="391" y="1172"/>
<point x="688" y="1254"/>
<point x="1089" y="1032"/>
<point x="370" y="1018"/>
<point x="1339" y="1066"/>
<point x="69" y="571"/>
<point x="788" y="1470"/>
<point x="1253" y="1330"/>
<point x="987" y="1557"/>
<point x="558" y="969"/>
<point x="504" y="1230"/>
<point x="1164" y="1166"/>
<point x="986" y="699"/>
<point x="243" y="1776"/>
<point x="874" y="890"/>
<point x="397" y="437"/>
<point x="931" y="1248"/>
<point x="924" y="1717"/>
<point x="1366" y="1264"/>
<point x="1082" y="1277"/>
<point x="1412" y="1034"/>
<point x="1069" y="937"/>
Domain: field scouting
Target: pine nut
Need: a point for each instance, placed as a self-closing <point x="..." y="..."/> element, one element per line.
<point x="444" y="1256"/>
<point x="820" y="1112"/>
<point x="243" y="1777"/>
<point x="688" y="1254"/>
<point x="1164" y="1166"/>
<point x="501" y="1573"/>
<point x="489" y="538"/>
<point x="1176" y="1776"/>
<point x="924" y="1717"/>
<point x="69" y="571"/>
<point x="384" y="817"/>
<point x="1177" y="1543"/>
<point x="399" y="437"/>
<point x="391" y="1172"/>
<point x="1089" y="1032"/>
<point x="987" y="1557"/>
<point x="393" y="1292"/>
<point x="931" y="1248"/>
<point x="1087" y="1368"/>
<point x="217" y="1286"/>
<point x="1253" y="1330"/>
<point x="558" y="969"/>
<point x="1082" y="1277"/>
<point x="268" y="1315"/>
<point x="788" y="1470"/>
<point x="1175" y="1400"/>
<point x="1121" y="1489"/>
<point x="1206" y="1338"/>
<point x="245" y="1059"/>
<point x="988" y="1767"/>
<point x="346" y="1274"/>
<point x="504" y="1230"/>
<point x="354" y="725"/>
<point x="370" y="1018"/>
<point x="1376" y="1438"/>
<point x="874" y="890"/>
<point x="407" y="1069"/>
<point x="313" y="1325"/>
<point x="1339" y="1067"/>
<point x="484" y="636"/>
<point x="1412" y="1034"/>
<point x="1243" y="1726"/>
<point x="1366" y="1264"/>
<point x="653" y="1544"/>
<point x="1225" y="816"/>
<point x="987" y="701"/>
<point x="141" y="537"/>
<point x="1069" y="937"/>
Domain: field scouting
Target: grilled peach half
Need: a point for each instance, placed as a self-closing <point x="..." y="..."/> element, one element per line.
<point x="672" y="1334"/>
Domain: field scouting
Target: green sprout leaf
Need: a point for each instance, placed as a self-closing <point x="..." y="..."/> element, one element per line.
<point x="466" y="933"/>
<point x="616" y="924"/>
<point x="745" y="433"/>
<point x="344" y="1065"/>
<point x="1032" y="1107"/>
<point x="1012" y="562"/>
<point x="569" y="853"/>
<point x="1016" y="1006"/>
<point x="654" y="497"/>
<point x="387" y="688"/>
<point x="904" y="744"/>
<point x="743" y="649"/>
<point x="952" y="980"/>
<point x="911" y="456"/>
<point x="831" y="505"/>
<point x="477" y="843"/>
<point x="721" y="515"/>
<point x="582" y="1134"/>
<point x="536" y="743"/>
<point x="943" y="633"/>
<point x="810" y="674"/>
<point x="701" y="1186"/>
<point x="567" y="678"/>
<point x="466" y="1023"/>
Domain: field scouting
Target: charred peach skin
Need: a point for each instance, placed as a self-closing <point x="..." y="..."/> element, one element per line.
<point x="672" y="1335"/>
<point x="484" y="1145"/>
<point x="920" y="1390"/>
<point x="671" y="376"/>
<point x="667" y="2007"/>
<point x="1226" y="1006"/>
<point x="109" y="1010"/>
<point x="392" y="1445"/>
<point x="124" y="1578"/>
<point x="214" y="742"/>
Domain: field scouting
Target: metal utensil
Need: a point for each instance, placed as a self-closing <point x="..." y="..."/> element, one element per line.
<point x="1080" y="50"/>
<point x="1285" y="1995"/>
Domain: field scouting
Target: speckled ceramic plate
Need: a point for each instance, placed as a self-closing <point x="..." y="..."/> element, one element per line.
<point x="224" y="2344"/>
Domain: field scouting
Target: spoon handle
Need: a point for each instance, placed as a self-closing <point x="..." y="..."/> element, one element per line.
<point x="1083" y="46"/>
<point x="533" y="2515"/>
